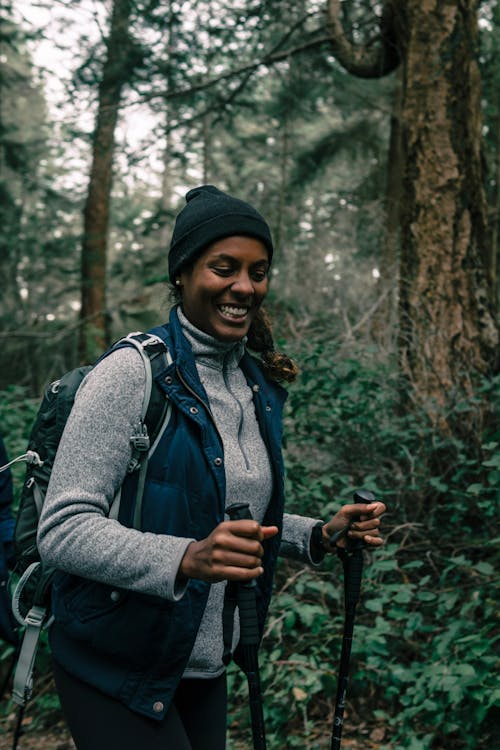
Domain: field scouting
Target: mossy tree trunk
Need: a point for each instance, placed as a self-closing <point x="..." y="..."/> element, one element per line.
<point x="448" y="337"/>
<point x="447" y="332"/>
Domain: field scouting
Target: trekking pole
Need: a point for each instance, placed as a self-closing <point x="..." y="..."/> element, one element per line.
<point x="352" y="561"/>
<point x="249" y="640"/>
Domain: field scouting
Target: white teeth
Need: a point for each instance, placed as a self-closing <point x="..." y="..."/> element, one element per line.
<point x="234" y="311"/>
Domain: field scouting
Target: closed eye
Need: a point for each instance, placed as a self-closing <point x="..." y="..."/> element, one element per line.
<point x="259" y="275"/>
<point x="223" y="270"/>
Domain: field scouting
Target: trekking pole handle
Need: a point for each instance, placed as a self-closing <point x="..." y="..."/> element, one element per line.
<point x="239" y="512"/>
<point x="364" y="496"/>
<point x="249" y="627"/>
<point x="353" y="558"/>
<point x="360" y="496"/>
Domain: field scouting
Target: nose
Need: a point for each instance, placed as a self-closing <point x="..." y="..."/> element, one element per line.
<point x="243" y="284"/>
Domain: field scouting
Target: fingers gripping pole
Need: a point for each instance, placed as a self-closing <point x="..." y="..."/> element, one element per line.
<point x="352" y="560"/>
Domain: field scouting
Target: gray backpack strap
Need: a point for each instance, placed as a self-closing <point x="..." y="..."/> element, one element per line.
<point x="23" y="676"/>
<point x="34" y="622"/>
<point x="142" y="448"/>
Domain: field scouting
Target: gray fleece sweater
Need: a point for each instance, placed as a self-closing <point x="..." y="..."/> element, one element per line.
<point x="77" y="536"/>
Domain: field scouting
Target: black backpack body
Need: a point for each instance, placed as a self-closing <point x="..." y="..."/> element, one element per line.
<point x="44" y="439"/>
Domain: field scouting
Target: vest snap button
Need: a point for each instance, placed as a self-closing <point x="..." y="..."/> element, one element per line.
<point x="193" y="410"/>
<point x="114" y="596"/>
<point x="157" y="707"/>
<point x="218" y="461"/>
<point x="256" y="388"/>
<point x="168" y="380"/>
<point x="268" y="408"/>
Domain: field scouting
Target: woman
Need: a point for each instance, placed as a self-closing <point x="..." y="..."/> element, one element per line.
<point x="138" y="646"/>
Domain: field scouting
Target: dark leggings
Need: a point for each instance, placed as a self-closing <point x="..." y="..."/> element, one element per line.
<point x="196" y="720"/>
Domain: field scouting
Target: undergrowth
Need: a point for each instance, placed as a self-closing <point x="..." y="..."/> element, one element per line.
<point x="424" y="659"/>
<point x="424" y="663"/>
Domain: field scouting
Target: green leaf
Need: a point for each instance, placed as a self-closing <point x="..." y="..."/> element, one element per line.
<point x="484" y="567"/>
<point x="475" y="489"/>
<point x="426" y="596"/>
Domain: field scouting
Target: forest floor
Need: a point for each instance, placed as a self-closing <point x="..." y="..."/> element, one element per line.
<point x="56" y="737"/>
<point x="44" y="729"/>
<point x="53" y="738"/>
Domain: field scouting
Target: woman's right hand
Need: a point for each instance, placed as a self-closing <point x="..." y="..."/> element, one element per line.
<point x="233" y="552"/>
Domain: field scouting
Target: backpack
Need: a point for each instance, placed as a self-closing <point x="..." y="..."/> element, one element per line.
<point x="31" y="597"/>
<point x="8" y="631"/>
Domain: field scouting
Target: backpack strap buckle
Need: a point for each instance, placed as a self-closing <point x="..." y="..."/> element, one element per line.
<point x="140" y="442"/>
<point x="140" y="446"/>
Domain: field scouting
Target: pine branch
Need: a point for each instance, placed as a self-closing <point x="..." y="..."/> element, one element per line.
<point x="271" y="58"/>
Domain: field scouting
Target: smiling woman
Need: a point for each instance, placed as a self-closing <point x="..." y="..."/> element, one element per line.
<point x="219" y="260"/>
<point x="144" y="627"/>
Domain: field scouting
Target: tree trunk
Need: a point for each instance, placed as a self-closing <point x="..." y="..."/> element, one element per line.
<point x="94" y="334"/>
<point x="494" y="256"/>
<point x="448" y="336"/>
<point x="166" y="180"/>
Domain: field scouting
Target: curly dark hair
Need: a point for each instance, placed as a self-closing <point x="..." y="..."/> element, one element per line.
<point x="275" y="365"/>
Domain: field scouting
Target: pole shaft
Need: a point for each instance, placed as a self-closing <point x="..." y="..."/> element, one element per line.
<point x="249" y="641"/>
<point x="352" y="560"/>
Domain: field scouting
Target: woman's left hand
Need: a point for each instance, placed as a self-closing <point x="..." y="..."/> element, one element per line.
<point x="356" y="521"/>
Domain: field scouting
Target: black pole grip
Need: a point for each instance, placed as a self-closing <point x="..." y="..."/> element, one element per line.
<point x="249" y="624"/>
<point x="360" y="496"/>
<point x="353" y="561"/>
<point x="353" y="570"/>
<point x="364" y="496"/>
<point x="246" y="601"/>
<point x="239" y="512"/>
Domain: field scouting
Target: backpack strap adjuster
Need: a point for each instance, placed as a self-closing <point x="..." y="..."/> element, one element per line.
<point x="140" y="442"/>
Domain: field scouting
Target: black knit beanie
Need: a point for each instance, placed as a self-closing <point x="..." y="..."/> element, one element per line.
<point x="210" y="215"/>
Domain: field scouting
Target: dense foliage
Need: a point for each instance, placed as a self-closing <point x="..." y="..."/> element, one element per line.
<point x="426" y="635"/>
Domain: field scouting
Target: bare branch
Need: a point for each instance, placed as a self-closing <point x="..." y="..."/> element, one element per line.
<point x="270" y="58"/>
<point x="372" y="60"/>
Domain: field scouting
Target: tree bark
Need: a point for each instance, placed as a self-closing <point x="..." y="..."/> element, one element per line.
<point x="94" y="333"/>
<point x="494" y="254"/>
<point x="448" y="336"/>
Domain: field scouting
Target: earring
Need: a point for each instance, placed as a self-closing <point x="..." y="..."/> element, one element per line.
<point x="177" y="282"/>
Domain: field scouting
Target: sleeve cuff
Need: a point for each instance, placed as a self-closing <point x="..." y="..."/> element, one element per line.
<point x="316" y="549"/>
<point x="176" y="587"/>
<point x="296" y="541"/>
